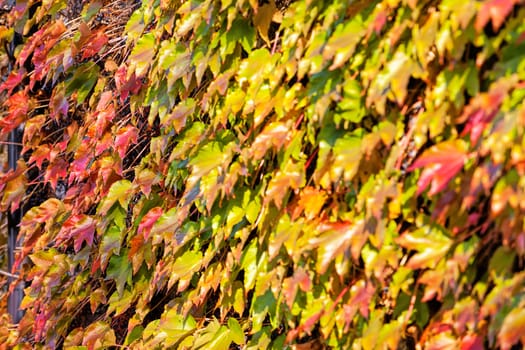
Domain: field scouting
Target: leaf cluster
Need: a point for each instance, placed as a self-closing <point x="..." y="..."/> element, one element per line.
<point x="215" y="174"/>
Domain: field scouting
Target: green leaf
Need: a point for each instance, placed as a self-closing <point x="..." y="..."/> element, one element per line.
<point x="142" y="54"/>
<point x="82" y="81"/>
<point x="119" y="192"/>
<point x="237" y="335"/>
<point x="119" y="269"/>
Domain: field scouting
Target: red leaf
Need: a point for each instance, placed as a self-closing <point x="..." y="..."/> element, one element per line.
<point x="12" y="81"/>
<point x="55" y="171"/>
<point x="83" y="157"/>
<point x="441" y="163"/>
<point x="125" y="136"/>
<point x="80" y="228"/>
<point x="18" y="106"/>
<point x="483" y="109"/>
<point x="148" y="221"/>
<point x="93" y="44"/>
<point x="126" y="84"/>
<point x="472" y="342"/>
<point x="104" y="114"/>
<point x="497" y="10"/>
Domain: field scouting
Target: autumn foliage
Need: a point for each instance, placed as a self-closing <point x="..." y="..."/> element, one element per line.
<point x="267" y="174"/>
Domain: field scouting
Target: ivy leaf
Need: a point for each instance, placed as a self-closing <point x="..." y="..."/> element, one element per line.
<point x="125" y="136"/>
<point x="291" y="177"/>
<point x="99" y="335"/>
<point x="18" y="106"/>
<point x="441" y="163"/>
<point x="142" y="54"/>
<point x="93" y="44"/>
<point x="148" y="221"/>
<point x="80" y="228"/>
<point x="119" y="192"/>
<point x="496" y="10"/>
<point x="82" y="81"/>
<point x="262" y="19"/>
<point x="512" y="329"/>
<point x="431" y="244"/>
<point x="237" y="335"/>
<point x="119" y="269"/>
<point x="13" y="186"/>
<point x="110" y="245"/>
<point x="13" y="80"/>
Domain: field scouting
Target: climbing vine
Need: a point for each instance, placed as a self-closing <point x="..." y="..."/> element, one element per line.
<point x="267" y="174"/>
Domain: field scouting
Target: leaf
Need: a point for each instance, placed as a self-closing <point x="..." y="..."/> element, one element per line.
<point x="13" y="80"/>
<point x="179" y="114"/>
<point x="13" y="186"/>
<point x="335" y="239"/>
<point x="142" y="55"/>
<point x="80" y="228"/>
<point x="236" y="333"/>
<point x="274" y="134"/>
<point x="82" y="81"/>
<point x="92" y="42"/>
<point x="185" y="265"/>
<point x="291" y="177"/>
<point x="431" y="244"/>
<point x="262" y="19"/>
<point x="18" y="106"/>
<point x="496" y="10"/>
<point x="110" y="244"/>
<point x="125" y="136"/>
<point x="513" y="329"/>
<point x="126" y="83"/>
<point x="120" y="192"/>
<point x="441" y="163"/>
<point x="119" y="269"/>
<point x="343" y="42"/>
<point x="97" y="335"/>
<point x="148" y="221"/>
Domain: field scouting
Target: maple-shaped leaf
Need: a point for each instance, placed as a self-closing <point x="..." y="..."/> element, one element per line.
<point x="120" y="192"/>
<point x="80" y="228"/>
<point x="58" y="104"/>
<point x="483" y="108"/>
<point x="441" y="163"/>
<point x="13" y="80"/>
<point x="513" y="329"/>
<point x="431" y="244"/>
<point x="13" y="187"/>
<point x="125" y="136"/>
<point x="39" y="155"/>
<point x="142" y="54"/>
<point x="94" y="44"/>
<point x="56" y="170"/>
<point x="19" y="105"/>
<point x="126" y="84"/>
<point x="496" y="10"/>
<point x="148" y="221"/>
<point x="274" y="134"/>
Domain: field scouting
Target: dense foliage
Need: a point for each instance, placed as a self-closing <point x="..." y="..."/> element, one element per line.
<point x="258" y="174"/>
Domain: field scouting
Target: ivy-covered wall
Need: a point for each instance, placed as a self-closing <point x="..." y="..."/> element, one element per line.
<point x="267" y="174"/>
